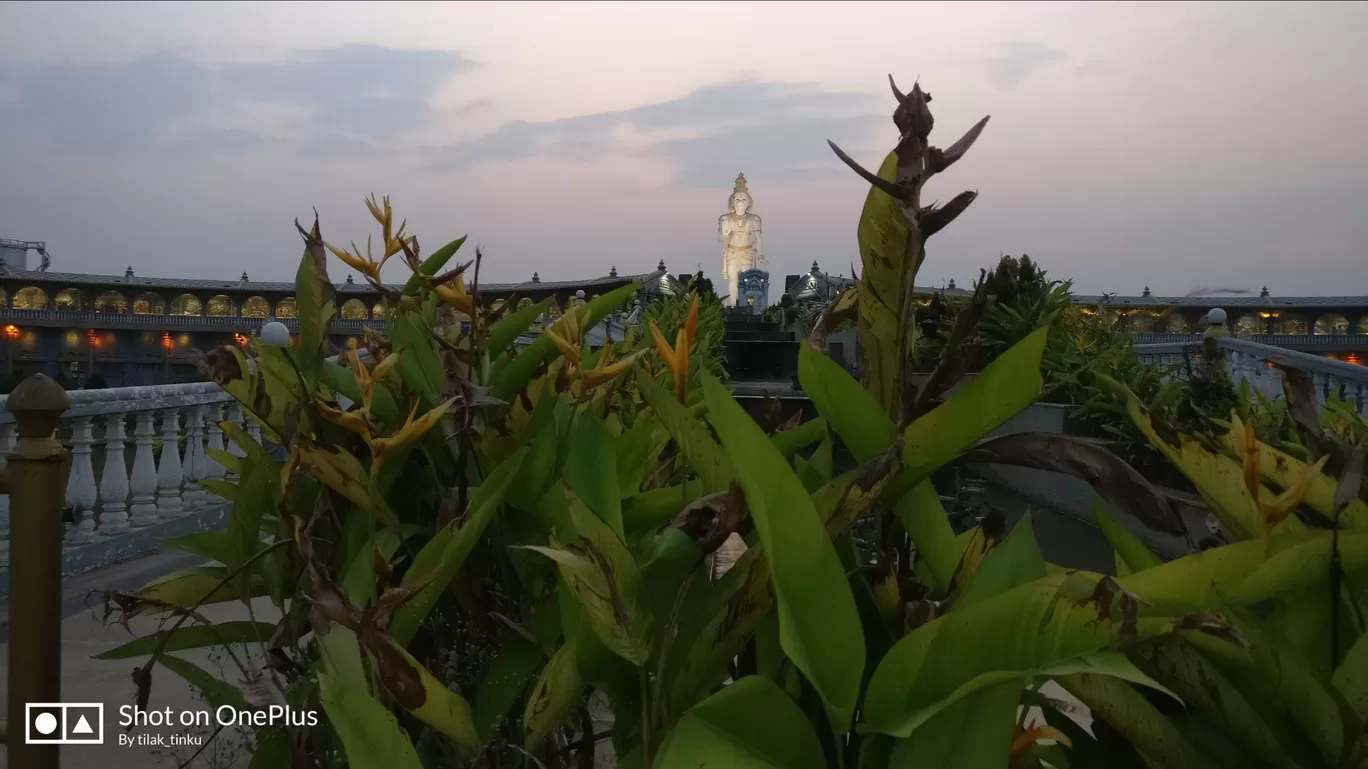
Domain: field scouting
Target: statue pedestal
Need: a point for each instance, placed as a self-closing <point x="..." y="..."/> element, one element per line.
<point x="752" y="290"/>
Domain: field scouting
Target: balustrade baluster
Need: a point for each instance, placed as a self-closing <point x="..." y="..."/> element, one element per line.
<point x="143" y="483"/>
<point x="234" y="418"/>
<point x="193" y="496"/>
<point x="213" y="469"/>
<point x="81" y="492"/>
<point x="114" y="479"/>
<point x="6" y="443"/>
<point x="169" y="471"/>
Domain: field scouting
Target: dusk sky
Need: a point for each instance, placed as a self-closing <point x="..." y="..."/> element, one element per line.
<point x="1168" y="145"/>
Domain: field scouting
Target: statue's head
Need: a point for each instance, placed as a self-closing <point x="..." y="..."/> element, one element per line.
<point x="740" y="202"/>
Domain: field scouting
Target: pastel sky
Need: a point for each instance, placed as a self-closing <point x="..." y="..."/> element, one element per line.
<point x="1164" y="145"/>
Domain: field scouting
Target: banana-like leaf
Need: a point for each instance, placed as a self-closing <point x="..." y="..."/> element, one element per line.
<point x="751" y="724"/>
<point x="432" y="264"/>
<point x="864" y="427"/>
<point x="1066" y="624"/>
<point x="923" y="516"/>
<point x="419" y="692"/>
<point x="419" y="364"/>
<point x="314" y="293"/>
<point x="1126" y="710"/>
<point x="819" y="626"/>
<point x="507" y="330"/>
<point x="187" y="588"/>
<point x="1350" y="679"/>
<point x="606" y="581"/>
<point x="371" y="737"/>
<point x="690" y="434"/>
<point x="442" y="557"/>
<point x="974" y="732"/>
<point x="191" y="637"/>
<point x="229" y="462"/>
<point x="1286" y="471"/>
<point x="504" y="682"/>
<point x="1211" y="700"/>
<point x="1128" y="547"/>
<point x="339" y="470"/>
<point x="557" y="690"/>
<point x="1014" y="562"/>
<point x="1301" y="565"/>
<point x="1004" y="387"/>
<point x="591" y="469"/>
<point x="891" y="250"/>
<point x="790" y="441"/>
<point x="657" y="507"/>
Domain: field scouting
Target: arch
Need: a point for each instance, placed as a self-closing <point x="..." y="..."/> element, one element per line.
<point x="1331" y="323"/>
<point x="110" y="301"/>
<point x="1362" y="327"/>
<point x="354" y="309"/>
<point x="524" y="303"/>
<point x="1139" y="323"/>
<point x="149" y="304"/>
<point x="255" y="307"/>
<point x="186" y="304"/>
<point x="378" y="311"/>
<point x="4" y="297"/>
<point x="285" y="308"/>
<point x="1249" y="323"/>
<point x="220" y="306"/>
<point x="30" y="298"/>
<point x="70" y="299"/>
<point x="1177" y="323"/>
<point x="1291" y="323"/>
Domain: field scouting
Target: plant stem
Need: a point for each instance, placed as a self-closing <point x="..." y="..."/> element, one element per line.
<point x="645" y="718"/>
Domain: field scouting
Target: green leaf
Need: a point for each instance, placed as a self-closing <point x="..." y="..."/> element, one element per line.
<point x="790" y="441"/>
<point x="656" y="507"/>
<point x="636" y="452"/>
<point x="507" y="330"/>
<point x="1128" y="547"/>
<point x="504" y="682"/>
<point x="923" y="516"/>
<point x="1014" y="562"/>
<point x="216" y="692"/>
<point x="1004" y="387"/>
<point x="522" y="369"/>
<point x="818" y="623"/>
<point x="442" y="557"/>
<point x="1351" y="678"/>
<point x="419" y="364"/>
<point x="848" y="407"/>
<point x="890" y="253"/>
<point x="690" y="434"/>
<point x="371" y="737"/>
<point x="254" y="497"/>
<point x="436" y="261"/>
<point x="185" y="589"/>
<point x="591" y="469"/>
<point x="1127" y="711"/>
<point x="1073" y="618"/>
<point x="191" y="637"/>
<point x="974" y="732"/>
<point x="419" y="692"/>
<point x="313" y="299"/>
<point x="750" y="724"/>
<point x="557" y="690"/>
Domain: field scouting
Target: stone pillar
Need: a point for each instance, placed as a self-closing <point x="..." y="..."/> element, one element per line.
<point x="192" y="496"/>
<point x="213" y="469"/>
<point x="143" y="483"/>
<point x="6" y="443"/>
<point x="81" y="491"/>
<point x="169" y="471"/>
<point x="114" y="479"/>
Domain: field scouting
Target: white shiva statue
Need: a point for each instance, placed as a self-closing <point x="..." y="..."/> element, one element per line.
<point x="739" y="232"/>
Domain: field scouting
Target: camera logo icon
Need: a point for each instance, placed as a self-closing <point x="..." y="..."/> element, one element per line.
<point x="64" y="723"/>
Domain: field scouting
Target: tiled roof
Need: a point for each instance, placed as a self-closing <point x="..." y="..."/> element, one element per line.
<point x="280" y="287"/>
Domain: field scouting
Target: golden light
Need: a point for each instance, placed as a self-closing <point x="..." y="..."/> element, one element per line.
<point x="1354" y="359"/>
<point x="241" y="339"/>
<point x="93" y="338"/>
<point x="166" y="342"/>
<point x="11" y="332"/>
<point x="72" y="338"/>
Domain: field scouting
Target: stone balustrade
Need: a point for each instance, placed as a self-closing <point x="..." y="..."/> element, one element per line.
<point x="1253" y="362"/>
<point x="137" y="456"/>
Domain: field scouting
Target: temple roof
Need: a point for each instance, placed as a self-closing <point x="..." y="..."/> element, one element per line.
<point x="279" y="287"/>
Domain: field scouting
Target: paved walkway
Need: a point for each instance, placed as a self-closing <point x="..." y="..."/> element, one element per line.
<point x="109" y="682"/>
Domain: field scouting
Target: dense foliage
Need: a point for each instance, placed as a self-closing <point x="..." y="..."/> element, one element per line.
<point x="482" y="553"/>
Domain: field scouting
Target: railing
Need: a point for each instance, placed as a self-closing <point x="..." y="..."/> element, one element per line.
<point x="1253" y="362"/>
<point x="1312" y="341"/>
<point x="137" y="456"/>
<point x="158" y="321"/>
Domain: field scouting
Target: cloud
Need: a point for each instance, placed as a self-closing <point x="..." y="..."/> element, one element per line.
<point x="342" y="98"/>
<point x="1017" y="61"/>
<point x="775" y="128"/>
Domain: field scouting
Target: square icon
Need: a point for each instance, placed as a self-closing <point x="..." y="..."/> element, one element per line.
<point x="63" y="723"/>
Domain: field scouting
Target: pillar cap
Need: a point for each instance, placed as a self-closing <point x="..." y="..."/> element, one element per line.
<point x="37" y="403"/>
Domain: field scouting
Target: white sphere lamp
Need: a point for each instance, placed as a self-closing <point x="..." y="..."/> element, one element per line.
<point x="275" y="334"/>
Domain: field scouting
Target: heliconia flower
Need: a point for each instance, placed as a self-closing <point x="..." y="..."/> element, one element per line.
<point x="567" y="334"/>
<point x="677" y="358"/>
<point x="1283" y="504"/>
<point x="361" y="264"/>
<point x="456" y="296"/>
<point x="691" y="325"/>
<point x="383" y="448"/>
<point x="603" y="371"/>
<point x="1022" y="740"/>
<point x="385" y="367"/>
<point x="354" y="420"/>
<point x="1253" y="473"/>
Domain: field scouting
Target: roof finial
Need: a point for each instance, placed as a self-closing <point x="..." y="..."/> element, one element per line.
<point x="1146" y="292"/>
<point x="349" y="279"/>
<point x="128" y="273"/>
<point x="244" y="276"/>
<point x="951" y="284"/>
<point x="536" y="278"/>
<point x="815" y="269"/>
<point x="1264" y="294"/>
<point x="661" y="266"/>
<point x="612" y="271"/>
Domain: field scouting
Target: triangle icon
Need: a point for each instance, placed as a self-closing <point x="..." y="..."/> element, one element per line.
<point x="82" y="727"/>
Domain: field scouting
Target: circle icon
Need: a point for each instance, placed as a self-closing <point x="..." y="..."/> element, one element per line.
<point x="45" y="723"/>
